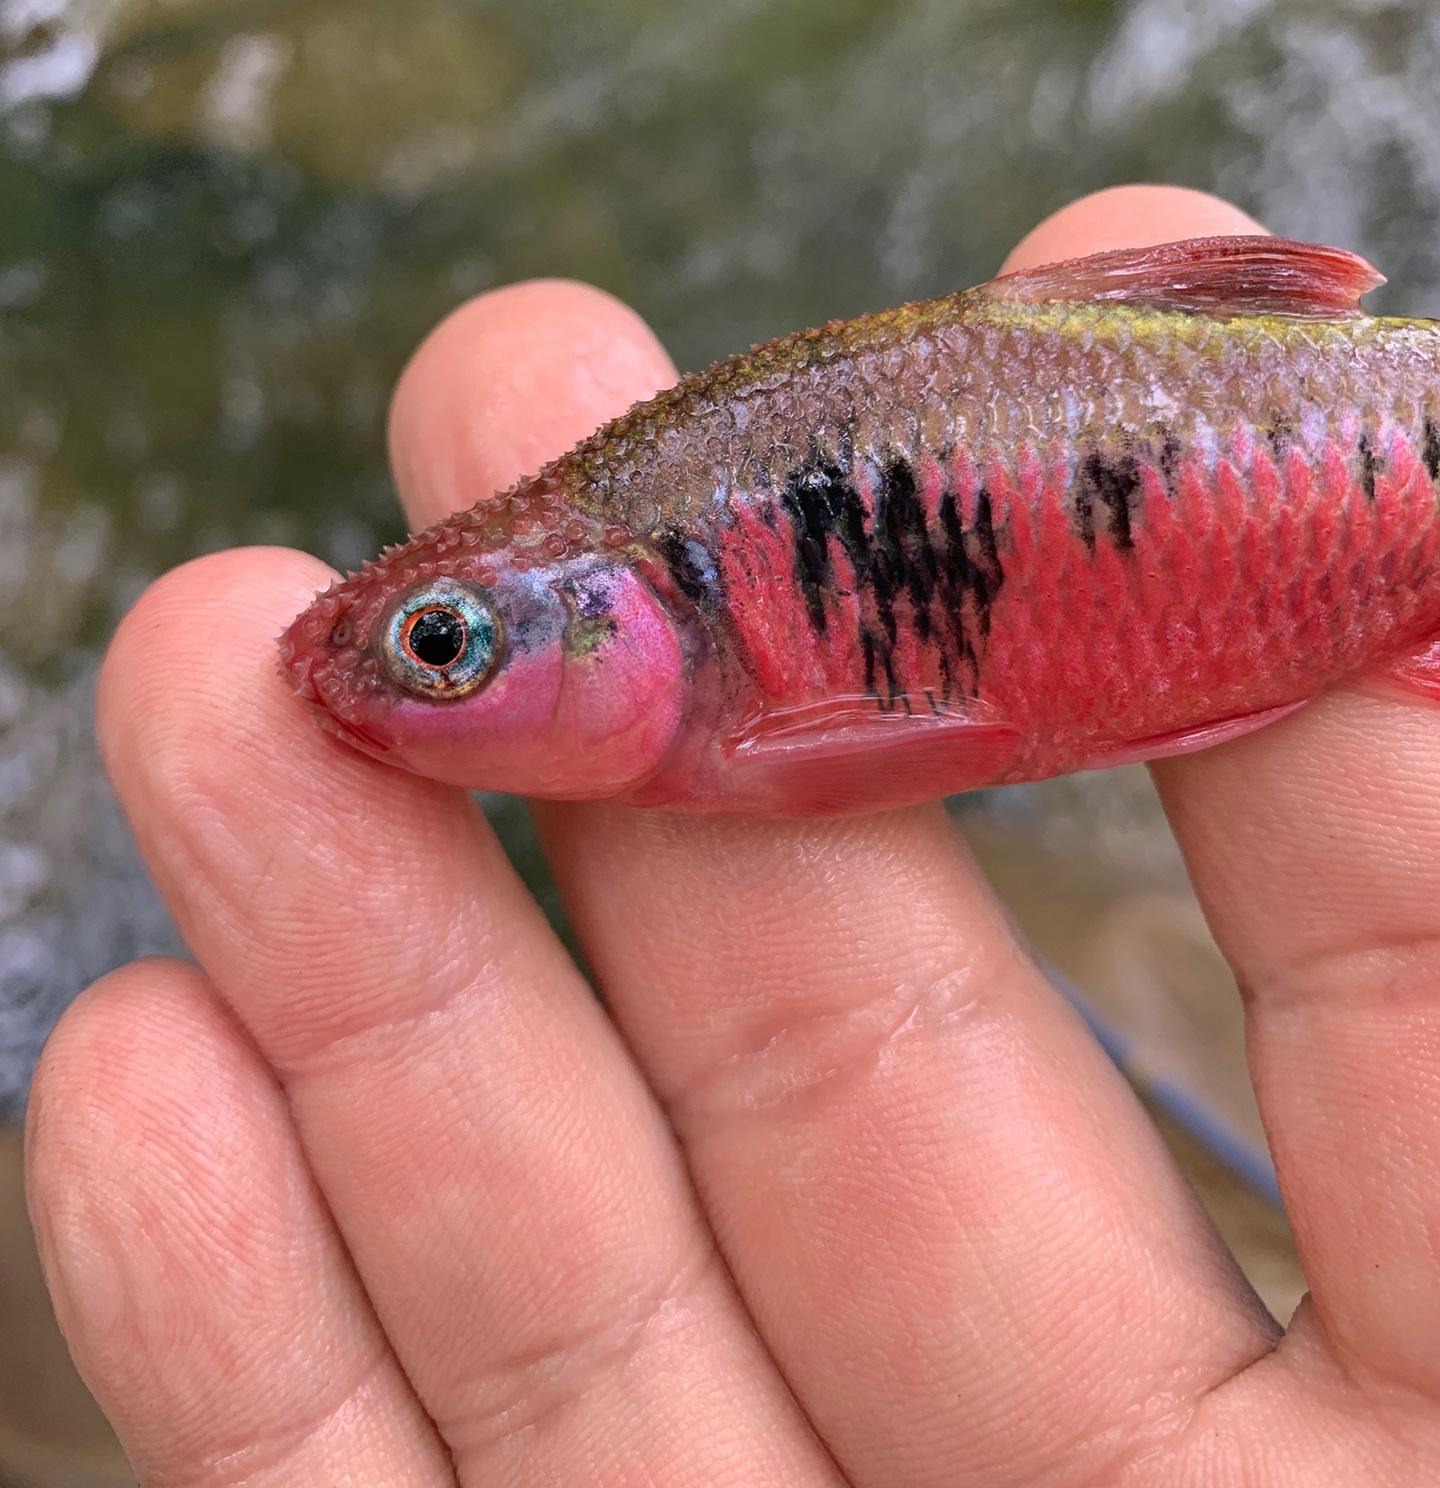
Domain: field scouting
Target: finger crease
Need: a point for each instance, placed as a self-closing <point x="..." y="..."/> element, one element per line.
<point x="259" y="1460"/>
<point x="529" y="1391"/>
<point x="1401" y="972"/>
<point x="808" y="1054"/>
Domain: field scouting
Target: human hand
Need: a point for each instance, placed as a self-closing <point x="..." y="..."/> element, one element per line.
<point x="838" y="1191"/>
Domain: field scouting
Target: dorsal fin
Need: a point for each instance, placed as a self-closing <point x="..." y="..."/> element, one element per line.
<point x="1207" y="276"/>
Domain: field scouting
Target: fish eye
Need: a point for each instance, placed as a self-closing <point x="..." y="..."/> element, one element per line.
<point x="441" y="641"/>
<point x="435" y="638"/>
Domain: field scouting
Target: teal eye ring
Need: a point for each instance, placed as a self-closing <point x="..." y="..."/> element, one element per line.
<point x="441" y="641"/>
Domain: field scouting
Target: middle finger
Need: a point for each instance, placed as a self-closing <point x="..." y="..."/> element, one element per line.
<point x="959" y="1234"/>
<point x="956" y="1229"/>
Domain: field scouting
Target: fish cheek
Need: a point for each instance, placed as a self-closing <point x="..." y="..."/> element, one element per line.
<point x="497" y="739"/>
<point x="624" y="681"/>
<point x="585" y="702"/>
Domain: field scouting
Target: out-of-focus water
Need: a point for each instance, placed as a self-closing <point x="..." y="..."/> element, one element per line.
<point x="225" y="223"/>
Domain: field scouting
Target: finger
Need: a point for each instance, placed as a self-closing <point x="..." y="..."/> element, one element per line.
<point x="203" y="1291"/>
<point x="525" y="373"/>
<point x="1320" y="879"/>
<point x="959" y="1234"/>
<point x="1315" y="848"/>
<point x="501" y="1178"/>
<point x="915" y="1160"/>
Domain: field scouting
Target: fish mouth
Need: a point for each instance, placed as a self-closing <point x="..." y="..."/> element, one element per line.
<point x="297" y="671"/>
<point x="351" y="733"/>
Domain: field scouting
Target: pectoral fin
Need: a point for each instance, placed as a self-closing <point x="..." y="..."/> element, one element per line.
<point x="850" y="756"/>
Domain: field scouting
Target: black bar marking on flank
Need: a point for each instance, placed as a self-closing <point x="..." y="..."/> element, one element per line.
<point x="1368" y="465"/>
<point x="1171" y="450"/>
<point x="821" y="502"/>
<point x="985" y="555"/>
<point x="969" y="579"/>
<point x="1281" y="433"/>
<point x="1430" y="451"/>
<point x="1113" y="479"/>
<point x="940" y="576"/>
<point x="903" y="561"/>
<point x="690" y="564"/>
<point x="957" y="581"/>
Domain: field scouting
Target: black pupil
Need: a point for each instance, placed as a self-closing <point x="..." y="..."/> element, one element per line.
<point x="437" y="638"/>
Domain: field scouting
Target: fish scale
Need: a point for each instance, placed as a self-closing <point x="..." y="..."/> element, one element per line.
<point x="1103" y="510"/>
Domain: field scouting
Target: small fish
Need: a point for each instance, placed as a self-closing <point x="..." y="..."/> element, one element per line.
<point x="1106" y="510"/>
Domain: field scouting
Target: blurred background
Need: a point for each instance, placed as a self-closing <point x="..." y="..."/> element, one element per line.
<point x="224" y="224"/>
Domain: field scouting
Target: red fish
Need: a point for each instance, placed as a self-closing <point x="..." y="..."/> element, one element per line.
<point x="1107" y="510"/>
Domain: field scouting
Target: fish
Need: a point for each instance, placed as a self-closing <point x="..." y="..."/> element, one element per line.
<point x="1107" y="510"/>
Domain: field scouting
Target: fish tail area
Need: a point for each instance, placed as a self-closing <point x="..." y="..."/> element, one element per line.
<point x="1417" y="674"/>
<point x="1191" y="740"/>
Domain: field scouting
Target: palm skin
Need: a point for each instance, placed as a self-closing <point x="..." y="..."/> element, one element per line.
<point x="835" y="1189"/>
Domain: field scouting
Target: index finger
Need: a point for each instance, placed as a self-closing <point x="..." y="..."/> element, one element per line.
<point x="509" y="1197"/>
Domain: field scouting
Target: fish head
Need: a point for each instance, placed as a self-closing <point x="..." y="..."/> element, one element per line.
<point x="563" y="680"/>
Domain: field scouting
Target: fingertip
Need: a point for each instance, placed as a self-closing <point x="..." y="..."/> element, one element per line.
<point x="194" y="1270"/>
<point x="111" y="1049"/>
<point x="188" y="606"/>
<point x="103" y="1022"/>
<point x="510" y="380"/>
<point x="194" y="629"/>
<point x="1127" y="217"/>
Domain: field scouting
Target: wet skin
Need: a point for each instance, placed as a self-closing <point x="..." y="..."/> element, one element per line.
<point x="837" y="1190"/>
